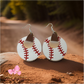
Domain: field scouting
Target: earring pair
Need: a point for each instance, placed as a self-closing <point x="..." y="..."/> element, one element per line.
<point x="54" y="47"/>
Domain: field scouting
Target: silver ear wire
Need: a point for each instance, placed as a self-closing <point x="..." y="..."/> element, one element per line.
<point x="29" y="27"/>
<point x="51" y="27"/>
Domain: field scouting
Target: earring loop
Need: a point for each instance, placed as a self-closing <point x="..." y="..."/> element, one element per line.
<point x="51" y="27"/>
<point x="29" y="27"/>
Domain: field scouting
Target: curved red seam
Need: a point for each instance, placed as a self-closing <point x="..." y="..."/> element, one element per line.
<point x="60" y="48"/>
<point x="25" y="50"/>
<point x="35" y="48"/>
<point x="51" y="51"/>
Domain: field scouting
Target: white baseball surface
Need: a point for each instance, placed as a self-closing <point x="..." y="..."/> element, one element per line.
<point x="55" y="54"/>
<point x="29" y="54"/>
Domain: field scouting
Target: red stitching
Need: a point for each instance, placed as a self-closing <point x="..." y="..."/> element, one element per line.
<point x="35" y="48"/>
<point x="25" y="50"/>
<point x="51" y="51"/>
<point x="60" y="48"/>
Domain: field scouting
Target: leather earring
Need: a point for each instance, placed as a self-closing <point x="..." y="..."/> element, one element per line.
<point x="29" y="47"/>
<point x="54" y="47"/>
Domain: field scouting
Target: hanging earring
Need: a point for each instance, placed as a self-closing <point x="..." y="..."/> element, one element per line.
<point x="29" y="47"/>
<point x="54" y="47"/>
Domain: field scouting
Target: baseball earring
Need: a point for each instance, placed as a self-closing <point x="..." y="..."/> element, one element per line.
<point x="29" y="47"/>
<point x="54" y="47"/>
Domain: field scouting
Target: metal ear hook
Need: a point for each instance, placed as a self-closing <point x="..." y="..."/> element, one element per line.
<point x="29" y="28"/>
<point x="51" y="26"/>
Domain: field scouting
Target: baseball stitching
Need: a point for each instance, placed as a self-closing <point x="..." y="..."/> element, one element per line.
<point x="51" y="51"/>
<point x="60" y="48"/>
<point x="35" y="48"/>
<point x="25" y="50"/>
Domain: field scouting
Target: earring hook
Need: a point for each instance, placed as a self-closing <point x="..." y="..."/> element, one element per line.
<point x="51" y="27"/>
<point x="29" y="27"/>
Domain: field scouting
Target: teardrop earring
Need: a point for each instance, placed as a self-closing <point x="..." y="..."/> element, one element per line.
<point x="29" y="47"/>
<point x="54" y="47"/>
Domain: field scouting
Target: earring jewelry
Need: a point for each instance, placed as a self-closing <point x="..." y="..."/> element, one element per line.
<point x="54" y="47"/>
<point x="29" y="47"/>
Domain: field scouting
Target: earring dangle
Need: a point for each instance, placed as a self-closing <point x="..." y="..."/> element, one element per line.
<point x="29" y="47"/>
<point x="54" y="47"/>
